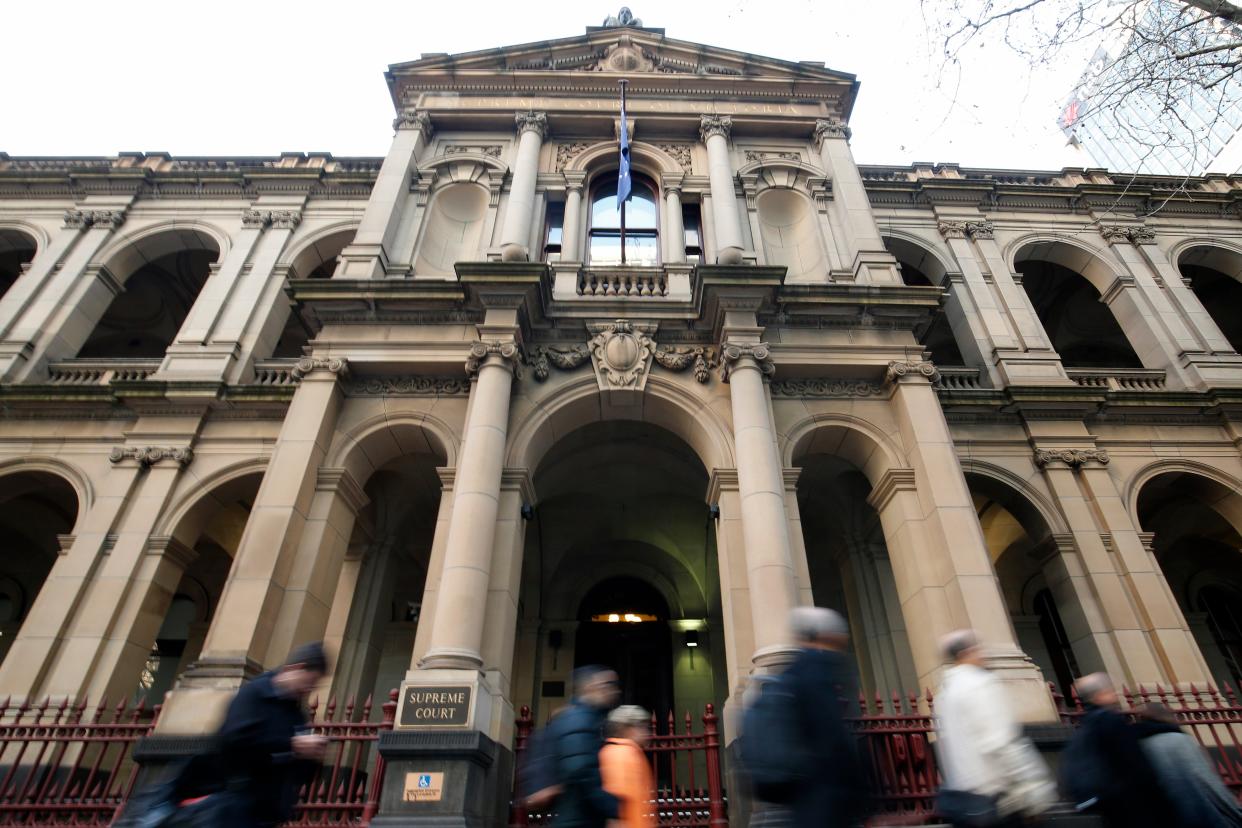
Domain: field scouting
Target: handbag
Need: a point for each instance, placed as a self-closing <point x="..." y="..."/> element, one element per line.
<point x="966" y="809"/>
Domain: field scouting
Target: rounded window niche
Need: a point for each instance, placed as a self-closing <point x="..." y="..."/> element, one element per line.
<point x="790" y="237"/>
<point x="454" y="229"/>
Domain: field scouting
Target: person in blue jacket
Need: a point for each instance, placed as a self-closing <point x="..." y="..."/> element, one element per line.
<point x="578" y="735"/>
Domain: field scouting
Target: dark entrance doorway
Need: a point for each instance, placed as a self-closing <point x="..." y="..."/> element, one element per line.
<point x="623" y="624"/>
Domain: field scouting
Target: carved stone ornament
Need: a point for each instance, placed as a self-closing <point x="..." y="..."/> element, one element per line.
<point x="731" y="353"/>
<point x="480" y="351"/>
<point x="1135" y="234"/>
<point x="280" y="219"/>
<point x="826" y="387"/>
<point x="825" y="129"/>
<point x="565" y="153"/>
<point x="900" y="371"/>
<point x="543" y="357"/>
<point x="679" y="359"/>
<point x="532" y="122"/>
<point x="410" y="119"/>
<point x="407" y="386"/>
<point x="623" y="19"/>
<point x="710" y="125"/>
<point x="625" y="56"/>
<point x="779" y="155"/>
<point x="621" y="353"/>
<point x="85" y="219"/>
<point x="679" y="152"/>
<point x="256" y="219"/>
<point x="1074" y="458"/>
<point x="309" y="365"/>
<point x="965" y="229"/>
<point x="488" y="150"/>
<point x="151" y="455"/>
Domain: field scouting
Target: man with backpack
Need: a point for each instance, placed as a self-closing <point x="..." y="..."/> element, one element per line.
<point x="796" y="745"/>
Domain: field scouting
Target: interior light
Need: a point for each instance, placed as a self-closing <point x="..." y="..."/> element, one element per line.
<point x="692" y="638"/>
<point x="614" y="618"/>
<point x="632" y="618"/>
<point x="627" y="617"/>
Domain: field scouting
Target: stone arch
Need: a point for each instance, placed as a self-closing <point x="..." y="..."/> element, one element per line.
<point x="18" y="247"/>
<point x="13" y="229"/>
<point x="382" y="438"/>
<point x="130" y="251"/>
<point x="842" y="435"/>
<point x="563" y="601"/>
<point x="919" y="254"/>
<point x="790" y="233"/>
<point x="180" y="507"/>
<point x="456" y="214"/>
<point x="1047" y="510"/>
<point x="1214" y="272"/>
<point x="317" y="249"/>
<point x="644" y="157"/>
<point x="71" y="474"/>
<point x="1067" y="282"/>
<point x="1223" y="487"/>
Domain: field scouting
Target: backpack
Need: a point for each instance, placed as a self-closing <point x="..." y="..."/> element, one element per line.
<point x="773" y="749"/>
<point x="538" y="778"/>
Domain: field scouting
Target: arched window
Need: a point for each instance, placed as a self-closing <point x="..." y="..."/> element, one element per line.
<point x="632" y="237"/>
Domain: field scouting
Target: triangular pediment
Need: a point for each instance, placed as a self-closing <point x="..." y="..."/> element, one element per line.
<point x="646" y="56"/>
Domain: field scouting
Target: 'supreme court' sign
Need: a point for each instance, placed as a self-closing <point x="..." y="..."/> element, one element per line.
<point x="435" y="705"/>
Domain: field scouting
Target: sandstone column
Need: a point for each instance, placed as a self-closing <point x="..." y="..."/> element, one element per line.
<point x="457" y="628"/>
<point x="571" y="229"/>
<point x="211" y="299"/>
<point x="761" y="488"/>
<point x="864" y="249"/>
<point x="367" y="257"/>
<point x="940" y="562"/>
<point x="515" y="233"/>
<point x="237" y="643"/>
<point x="674" y="231"/>
<point x="714" y="130"/>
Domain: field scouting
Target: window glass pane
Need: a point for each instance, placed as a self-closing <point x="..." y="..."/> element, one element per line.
<point x="641" y="251"/>
<point x="640" y="210"/>
<point x="605" y="248"/>
<point x="604" y="212"/>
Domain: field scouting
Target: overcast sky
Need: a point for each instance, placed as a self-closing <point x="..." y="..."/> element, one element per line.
<point x="259" y="78"/>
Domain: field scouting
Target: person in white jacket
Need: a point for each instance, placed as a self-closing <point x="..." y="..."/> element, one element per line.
<point x="980" y="744"/>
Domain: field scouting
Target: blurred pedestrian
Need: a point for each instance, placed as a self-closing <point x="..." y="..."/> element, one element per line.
<point x="578" y="733"/>
<point x="1191" y="782"/>
<point x="1105" y="768"/>
<point x="624" y="767"/>
<point x="836" y="792"/>
<point x="267" y="752"/>
<point x="992" y="774"/>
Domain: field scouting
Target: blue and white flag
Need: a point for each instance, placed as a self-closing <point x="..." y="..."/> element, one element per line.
<point x="623" y="170"/>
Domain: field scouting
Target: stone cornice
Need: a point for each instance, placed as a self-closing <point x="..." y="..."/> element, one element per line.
<point x="721" y="480"/>
<point x="147" y="456"/>
<point x="171" y="549"/>
<point x="893" y="482"/>
<point x="342" y="483"/>
<point x="520" y="479"/>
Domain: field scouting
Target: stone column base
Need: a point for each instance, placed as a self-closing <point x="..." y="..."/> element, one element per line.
<point x="473" y="776"/>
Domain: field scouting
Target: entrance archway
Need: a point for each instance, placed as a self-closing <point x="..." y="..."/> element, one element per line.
<point x="621" y="527"/>
<point x="1195" y="526"/>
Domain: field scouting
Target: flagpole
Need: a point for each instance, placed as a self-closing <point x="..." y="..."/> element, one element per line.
<point x="623" y="82"/>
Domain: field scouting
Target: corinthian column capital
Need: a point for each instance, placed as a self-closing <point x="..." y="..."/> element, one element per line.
<point x="710" y="125"/>
<point x="825" y="129"/>
<point x="410" y="119"/>
<point x="536" y="122"/>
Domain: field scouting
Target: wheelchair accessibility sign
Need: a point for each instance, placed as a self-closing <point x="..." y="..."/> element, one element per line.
<point x="423" y="787"/>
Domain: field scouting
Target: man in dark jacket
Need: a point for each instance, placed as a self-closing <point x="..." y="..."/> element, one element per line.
<point x="1106" y="757"/>
<point x="578" y="732"/>
<point x="264" y="753"/>
<point x="822" y="676"/>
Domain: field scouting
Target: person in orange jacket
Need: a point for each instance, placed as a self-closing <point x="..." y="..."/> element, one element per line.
<point x="624" y="768"/>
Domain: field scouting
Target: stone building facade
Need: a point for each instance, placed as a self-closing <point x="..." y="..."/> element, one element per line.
<point x="417" y="406"/>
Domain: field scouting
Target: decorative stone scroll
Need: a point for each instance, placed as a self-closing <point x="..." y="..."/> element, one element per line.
<point x="764" y="155"/>
<point x="489" y="150"/>
<point x="710" y="125"/>
<point x="1135" y="234"/>
<point x="679" y="359"/>
<point x="147" y="456"/>
<point x="280" y="219"/>
<point x="407" y="386"/>
<point x="86" y="219"/>
<point x="309" y="365"/>
<point x="902" y="371"/>
<point x="826" y="387"/>
<point x="532" y="121"/>
<point x="732" y="352"/>
<point x="621" y="353"/>
<point x="410" y="119"/>
<point x="825" y="129"/>
<point x="543" y="357"/>
<point x="509" y="352"/>
<point x="965" y="229"/>
<point x="1074" y="458"/>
